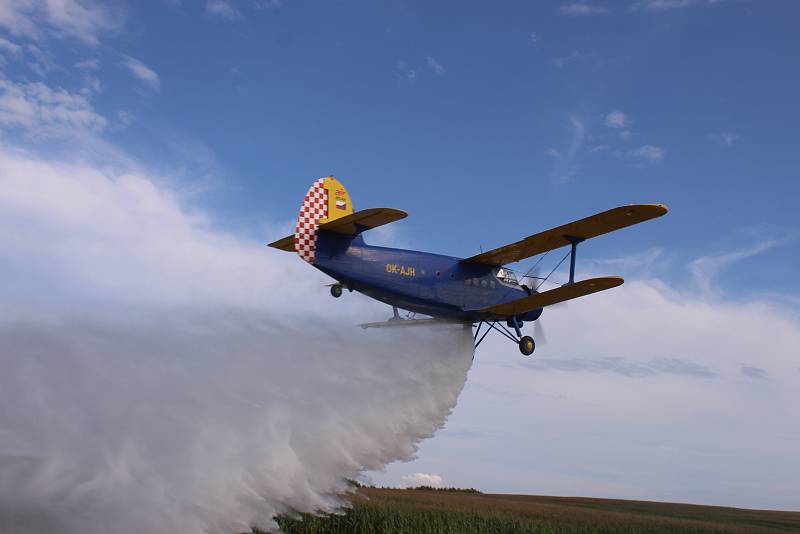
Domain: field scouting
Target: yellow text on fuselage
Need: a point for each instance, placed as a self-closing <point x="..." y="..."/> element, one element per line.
<point x="402" y="270"/>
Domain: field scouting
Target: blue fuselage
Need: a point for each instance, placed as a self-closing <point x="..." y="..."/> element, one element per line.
<point x="431" y="284"/>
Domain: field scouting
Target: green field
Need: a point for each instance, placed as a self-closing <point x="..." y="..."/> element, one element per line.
<point x="448" y="512"/>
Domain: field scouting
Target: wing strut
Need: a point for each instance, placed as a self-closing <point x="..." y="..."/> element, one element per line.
<point x="573" y="240"/>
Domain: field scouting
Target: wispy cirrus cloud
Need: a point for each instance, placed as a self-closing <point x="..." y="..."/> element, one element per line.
<point x="664" y="5"/>
<point x="617" y="119"/>
<point x="142" y="72"/>
<point x="725" y="138"/>
<point x="565" y="160"/>
<point x="705" y="270"/>
<point x="435" y="65"/>
<point x="649" y="153"/>
<point x="406" y="72"/>
<point x="579" y="9"/>
<point x="575" y="56"/>
<point x="40" y="111"/>
<point x="9" y="48"/>
<point x="223" y="9"/>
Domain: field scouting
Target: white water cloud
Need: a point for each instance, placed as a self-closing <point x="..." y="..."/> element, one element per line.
<point x="162" y="376"/>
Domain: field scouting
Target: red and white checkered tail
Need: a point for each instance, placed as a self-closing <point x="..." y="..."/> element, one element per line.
<point x="326" y="200"/>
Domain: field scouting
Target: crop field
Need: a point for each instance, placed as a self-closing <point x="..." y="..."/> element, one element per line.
<point x="457" y="512"/>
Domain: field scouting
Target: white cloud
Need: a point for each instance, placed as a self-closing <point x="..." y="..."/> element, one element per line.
<point x="564" y="167"/>
<point x="664" y="5"/>
<point x="435" y="65"/>
<point x="648" y="153"/>
<point x="706" y="269"/>
<point x="88" y="64"/>
<point x="40" y="111"/>
<point x="617" y="119"/>
<point x="725" y="138"/>
<point x="404" y="71"/>
<point x="574" y="57"/>
<point x="663" y="384"/>
<point x="81" y="19"/>
<point x="268" y="4"/>
<point x="222" y="8"/>
<point x="561" y="61"/>
<point x="421" y="479"/>
<point x="9" y="47"/>
<point x="124" y="118"/>
<point x="535" y="38"/>
<point x="582" y="9"/>
<point x="142" y="72"/>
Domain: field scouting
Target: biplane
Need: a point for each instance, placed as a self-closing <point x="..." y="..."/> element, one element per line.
<point x="478" y="292"/>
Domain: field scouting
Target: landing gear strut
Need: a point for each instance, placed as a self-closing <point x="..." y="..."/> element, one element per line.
<point x="525" y="343"/>
<point x="336" y="290"/>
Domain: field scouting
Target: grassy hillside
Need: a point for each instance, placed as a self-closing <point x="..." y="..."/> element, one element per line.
<point x="442" y="512"/>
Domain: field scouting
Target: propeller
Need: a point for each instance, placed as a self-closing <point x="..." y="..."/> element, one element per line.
<point x="538" y="332"/>
<point x="533" y="281"/>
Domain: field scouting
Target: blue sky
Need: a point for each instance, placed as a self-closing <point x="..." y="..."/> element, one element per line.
<point x="486" y="122"/>
<point x="411" y="104"/>
<point x="525" y="114"/>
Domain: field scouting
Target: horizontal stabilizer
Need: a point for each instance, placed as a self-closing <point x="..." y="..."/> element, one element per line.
<point x="363" y="220"/>
<point x="554" y="296"/>
<point x="285" y="243"/>
<point x="393" y="323"/>
<point x="593" y="226"/>
<point x="352" y="224"/>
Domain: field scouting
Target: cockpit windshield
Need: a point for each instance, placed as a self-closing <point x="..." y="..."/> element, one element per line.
<point x="506" y="276"/>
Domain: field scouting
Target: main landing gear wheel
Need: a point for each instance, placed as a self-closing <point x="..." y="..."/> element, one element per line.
<point x="526" y="345"/>
<point x="336" y="290"/>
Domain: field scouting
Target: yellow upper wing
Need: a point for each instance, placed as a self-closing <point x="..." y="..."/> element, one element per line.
<point x="593" y="226"/>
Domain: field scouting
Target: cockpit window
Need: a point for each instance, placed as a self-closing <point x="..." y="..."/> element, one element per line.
<point x="506" y="276"/>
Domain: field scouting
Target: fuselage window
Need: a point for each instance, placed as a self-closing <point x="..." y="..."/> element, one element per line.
<point x="491" y="284"/>
<point x="506" y="276"/>
<point x="483" y="283"/>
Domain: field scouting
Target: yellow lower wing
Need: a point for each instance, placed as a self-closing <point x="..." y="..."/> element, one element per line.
<point x="554" y="296"/>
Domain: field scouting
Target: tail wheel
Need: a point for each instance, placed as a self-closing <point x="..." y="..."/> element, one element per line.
<point x="527" y="345"/>
<point x="336" y="290"/>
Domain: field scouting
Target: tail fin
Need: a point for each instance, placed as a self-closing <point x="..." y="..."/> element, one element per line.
<point x="326" y="200"/>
